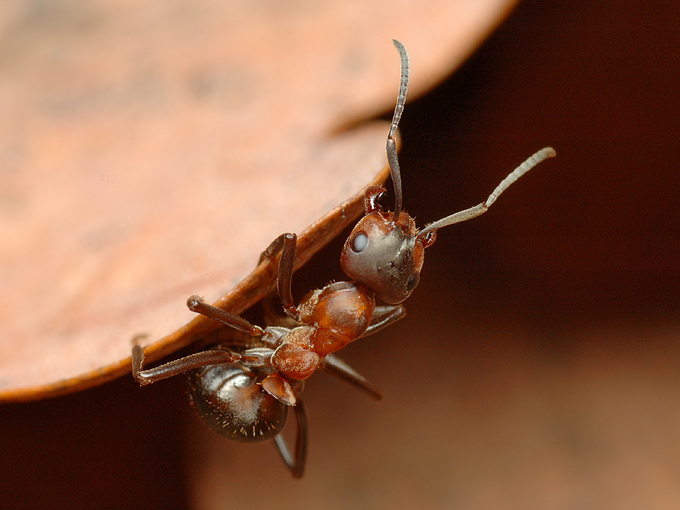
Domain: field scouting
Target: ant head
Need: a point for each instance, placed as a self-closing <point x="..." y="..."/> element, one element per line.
<point x="385" y="252"/>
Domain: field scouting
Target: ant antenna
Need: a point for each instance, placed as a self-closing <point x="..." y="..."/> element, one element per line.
<point x="391" y="144"/>
<point x="473" y="212"/>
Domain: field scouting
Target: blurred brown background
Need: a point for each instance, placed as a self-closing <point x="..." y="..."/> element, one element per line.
<point x="538" y="364"/>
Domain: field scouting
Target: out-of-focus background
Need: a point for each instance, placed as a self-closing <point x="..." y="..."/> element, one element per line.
<point x="538" y="366"/>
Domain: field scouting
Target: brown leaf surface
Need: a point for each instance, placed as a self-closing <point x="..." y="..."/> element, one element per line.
<point x="151" y="150"/>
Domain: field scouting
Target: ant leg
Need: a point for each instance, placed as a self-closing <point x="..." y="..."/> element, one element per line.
<point x="384" y="316"/>
<point x="297" y="465"/>
<point x="284" y="244"/>
<point x="274" y="248"/>
<point x="195" y="304"/>
<point x="253" y="358"/>
<point x="343" y="371"/>
<point x="285" y="275"/>
<point x="178" y="366"/>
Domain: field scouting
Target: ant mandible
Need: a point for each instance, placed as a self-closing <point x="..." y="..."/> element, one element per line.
<point x="244" y="391"/>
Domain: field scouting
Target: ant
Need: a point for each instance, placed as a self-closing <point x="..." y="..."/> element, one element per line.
<point x="243" y="391"/>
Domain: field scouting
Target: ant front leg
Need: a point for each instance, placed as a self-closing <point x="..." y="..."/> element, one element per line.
<point x="284" y="244"/>
<point x="284" y="279"/>
<point x="273" y="249"/>
<point x="297" y="464"/>
<point x="384" y="316"/>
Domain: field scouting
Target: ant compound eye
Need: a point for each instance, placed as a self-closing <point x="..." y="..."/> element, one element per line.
<point x="359" y="242"/>
<point x="412" y="282"/>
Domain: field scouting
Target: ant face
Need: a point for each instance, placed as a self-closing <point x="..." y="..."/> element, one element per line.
<point x="385" y="255"/>
<point x="384" y="251"/>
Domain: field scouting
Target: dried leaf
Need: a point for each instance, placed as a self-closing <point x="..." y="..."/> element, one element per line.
<point x="151" y="150"/>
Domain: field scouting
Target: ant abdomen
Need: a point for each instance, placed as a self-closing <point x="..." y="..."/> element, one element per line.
<point x="230" y="400"/>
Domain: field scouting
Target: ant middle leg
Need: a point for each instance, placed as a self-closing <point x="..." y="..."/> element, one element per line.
<point x="196" y="304"/>
<point x="383" y="316"/>
<point x="343" y="371"/>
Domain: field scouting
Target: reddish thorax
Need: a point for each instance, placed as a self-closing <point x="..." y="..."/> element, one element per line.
<point x="332" y="317"/>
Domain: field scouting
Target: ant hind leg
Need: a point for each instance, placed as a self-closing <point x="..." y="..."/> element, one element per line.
<point x="295" y="465"/>
<point x="175" y="367"/>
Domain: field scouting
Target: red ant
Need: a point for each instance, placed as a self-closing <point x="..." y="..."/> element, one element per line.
<point x="244" y="391"/>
